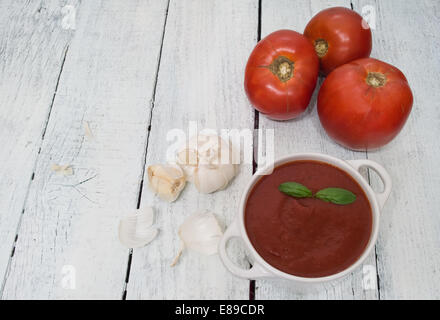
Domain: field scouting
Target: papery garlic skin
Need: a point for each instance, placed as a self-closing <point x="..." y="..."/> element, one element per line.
<point x="62" y="169"/>
<point x="135" y="230"/>
<point x="209" y="180"/>
<point x="188" y="160"/>
<point x="206" y="161"/>
<point x="167" y="181"/>
<point x="201" y="233"/>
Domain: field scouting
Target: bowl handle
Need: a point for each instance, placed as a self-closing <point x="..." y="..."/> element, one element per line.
<point x="383" y="174"/>
<point x="256" y="272"/>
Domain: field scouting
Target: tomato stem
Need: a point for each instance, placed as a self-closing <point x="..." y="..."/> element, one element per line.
<point x="283" y="68"/>
<point x="321" y="47"/>
<point x="376" y="79"/>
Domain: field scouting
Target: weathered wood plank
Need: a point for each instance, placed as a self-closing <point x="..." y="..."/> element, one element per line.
<point x="69" y="225"/>
<point x="32" y="48"/>
<point x="201" y="75"/>
<point x="408" y="255"/>
<point x="306" y="135"/>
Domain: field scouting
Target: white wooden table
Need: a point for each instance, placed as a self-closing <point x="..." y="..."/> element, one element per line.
<point x="133" y="70"/>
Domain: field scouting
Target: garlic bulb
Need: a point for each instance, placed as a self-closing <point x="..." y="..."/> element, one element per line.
<point x="188" y="160"/>
<point x="206" y="162"/>
<point x="201" y="233"/>
<point x="135" y="231"/>
<point x="167" y="181"/>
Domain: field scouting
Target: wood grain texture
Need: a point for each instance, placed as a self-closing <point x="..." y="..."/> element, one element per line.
<point x="69" y="225"/>
<point x="305" y="134"/>
<point x="32" y="49"/>
<point x="206" y="47"/>
<point x="406" y="36"/>
<point x="54" y="82"/>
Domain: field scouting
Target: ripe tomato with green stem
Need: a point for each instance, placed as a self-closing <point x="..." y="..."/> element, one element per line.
<point x="281" y="75"/>
<point x="364" y="104"/>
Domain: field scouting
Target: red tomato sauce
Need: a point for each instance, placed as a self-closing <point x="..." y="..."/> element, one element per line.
<point x="307" y="237"/>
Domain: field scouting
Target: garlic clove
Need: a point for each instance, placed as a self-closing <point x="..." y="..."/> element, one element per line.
<point x="229" y="172"/>
<point x="201" y="233"/>
<point x="135" y="230"/>
<point x="207" y="163"/>
<point x="210" y="150"/>
<point x="139" y="240"/>
<point x="167" y="181"/>
<point x="209" y="180"/>
<point x="187" y="159"/>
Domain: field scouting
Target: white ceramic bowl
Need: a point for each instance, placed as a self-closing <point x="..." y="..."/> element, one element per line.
<point x="263" y="270"/>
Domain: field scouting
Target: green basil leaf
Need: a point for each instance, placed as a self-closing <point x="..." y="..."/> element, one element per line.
<point x="295" y="190"/>
<point x="336" y="196"/>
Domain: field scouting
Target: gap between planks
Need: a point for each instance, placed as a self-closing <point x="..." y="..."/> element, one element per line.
<point x="141" y="184"/>
<point x="255" y="142"/>
<point x="33" y="171"/>
<point x="369" y="182"/>
<point x="252" y="285"/>
<point x="375" y="248"/>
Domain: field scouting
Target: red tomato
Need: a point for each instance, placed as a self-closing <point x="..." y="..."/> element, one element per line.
<point x="281" y="75"/>
<point x="364" y="104"/>
<point x="339" y="36"/>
